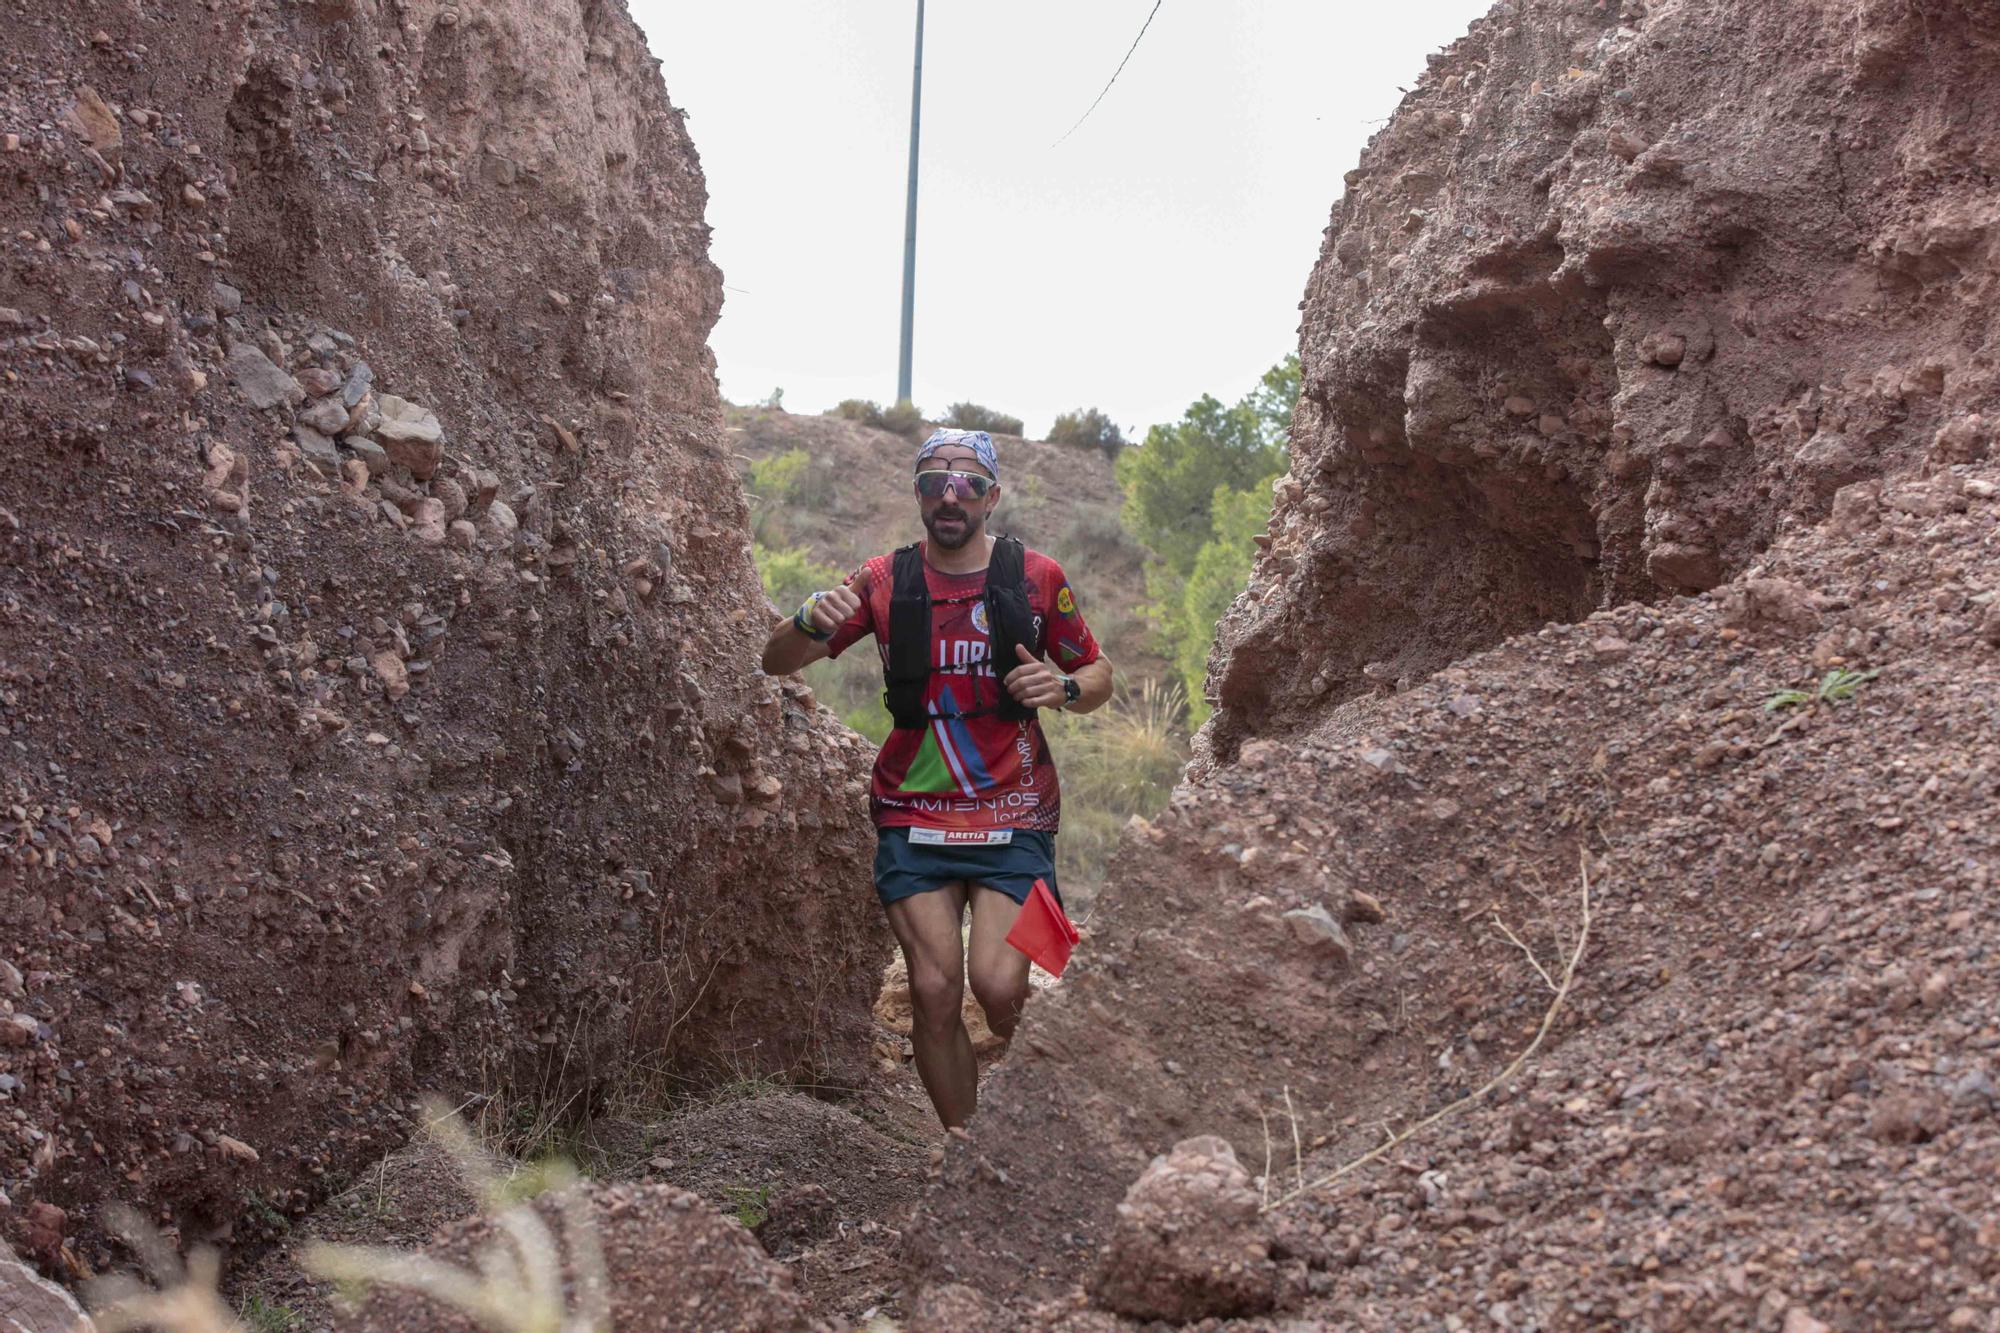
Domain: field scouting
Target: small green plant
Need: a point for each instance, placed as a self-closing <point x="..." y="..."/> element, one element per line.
<point x="750" y="1203"/>
<point x="266" y="1317"/>
<point x="776" y="400"/>
<point x="267" y="1215"/>
<point x="1835" y="687"/>
<point x="971" y="416"/>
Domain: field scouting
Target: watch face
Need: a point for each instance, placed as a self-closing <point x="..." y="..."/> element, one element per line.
<point x="1071" y="690"/>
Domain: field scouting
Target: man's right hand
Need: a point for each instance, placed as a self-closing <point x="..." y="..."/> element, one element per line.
<point x="836" y="606"/>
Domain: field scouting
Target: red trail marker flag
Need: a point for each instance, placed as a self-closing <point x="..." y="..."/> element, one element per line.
<point x="1043" y="931"/>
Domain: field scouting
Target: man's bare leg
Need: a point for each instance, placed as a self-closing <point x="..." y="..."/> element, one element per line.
<point x="927" y="926"/>
<point x="999" y="971"/>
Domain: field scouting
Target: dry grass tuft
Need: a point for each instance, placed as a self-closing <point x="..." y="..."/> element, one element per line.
<point x="183" y="1299"/>
<point x="517" y="1285"/>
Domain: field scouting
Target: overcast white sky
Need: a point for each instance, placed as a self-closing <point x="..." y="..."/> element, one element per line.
<point x="1158" y="253"/>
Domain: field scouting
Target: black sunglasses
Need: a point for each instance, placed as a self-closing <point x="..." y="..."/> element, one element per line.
<point x="933" y="485"/>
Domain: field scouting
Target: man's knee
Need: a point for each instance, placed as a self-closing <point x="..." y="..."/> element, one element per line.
<point x="935" y="997"/>
<point x="1000" y="993"/>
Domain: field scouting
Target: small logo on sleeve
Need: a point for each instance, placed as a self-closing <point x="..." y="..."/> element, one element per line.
<point x="1064" y="602"/>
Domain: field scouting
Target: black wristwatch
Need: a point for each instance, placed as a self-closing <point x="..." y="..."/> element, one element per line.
<point x="1071" y="691"/>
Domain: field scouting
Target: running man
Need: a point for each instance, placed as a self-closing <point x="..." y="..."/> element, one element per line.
<point x="964" y="794"/>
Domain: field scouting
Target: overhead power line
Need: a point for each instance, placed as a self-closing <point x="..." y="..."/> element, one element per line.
<point x="1114" y="73"/>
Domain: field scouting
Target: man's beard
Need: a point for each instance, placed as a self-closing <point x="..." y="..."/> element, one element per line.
<point x="969" y="524"/>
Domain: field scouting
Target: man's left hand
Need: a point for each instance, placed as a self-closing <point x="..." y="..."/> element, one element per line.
<point x="1032" y="684"/>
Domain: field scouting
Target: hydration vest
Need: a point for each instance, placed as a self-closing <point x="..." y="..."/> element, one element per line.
<point x="1009" y="621"/>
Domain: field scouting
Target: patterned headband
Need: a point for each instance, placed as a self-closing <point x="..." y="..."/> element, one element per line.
<point x="976" y="440"/>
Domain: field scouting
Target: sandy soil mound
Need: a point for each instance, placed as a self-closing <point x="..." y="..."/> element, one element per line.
<point x="378" y="703"/>
<point x="751" y="1155"/>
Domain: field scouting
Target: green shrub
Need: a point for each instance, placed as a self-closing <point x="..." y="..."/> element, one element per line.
<point x="751" y="1204"/>
<point x="790" y="575"/>
<point x="905" y="419"/>
<point x="1088" y="427"/>
<point x="1221" y="569"/>
<point x="1127" y="757"/>
<point x="785" y="478"/>
<point x="869" y="715"/>
<point x="971" y="416"/>
<point x="861" y="410"/>
<point x="1196" y="493"/>
<point x="852" y="686"/>
<point x="1171" y="481"/>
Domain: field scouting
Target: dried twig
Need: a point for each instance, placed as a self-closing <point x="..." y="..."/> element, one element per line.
<point x="1533" y="962"/>
<point x="1298" y="1152"/>
<point x="1264" y="1180"/>
<point x="1541" y="1034"/>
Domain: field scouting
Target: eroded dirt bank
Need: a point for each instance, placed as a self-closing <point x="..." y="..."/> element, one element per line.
<point x="375" y="610"/>
<point x="1670" y="323"/>
<point x="1618" y="295"/>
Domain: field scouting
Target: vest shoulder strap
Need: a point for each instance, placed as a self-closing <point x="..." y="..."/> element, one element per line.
<point x="1007" y="567"/>
<point x="1009" y="617"/>
<point x="908" y="672"/>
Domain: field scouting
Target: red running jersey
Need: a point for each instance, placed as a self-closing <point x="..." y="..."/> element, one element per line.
<point x="976" y="772"/>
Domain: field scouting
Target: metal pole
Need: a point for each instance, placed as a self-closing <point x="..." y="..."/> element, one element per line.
<point x="910" y="223"/>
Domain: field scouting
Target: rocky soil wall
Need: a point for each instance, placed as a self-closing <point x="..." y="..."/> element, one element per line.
<point x="377" y="633"/>
<point x="1620" y="292"/>
<point x="1649" y="373"/>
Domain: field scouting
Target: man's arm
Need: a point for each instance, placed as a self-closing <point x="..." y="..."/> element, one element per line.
<point x="1094" y="679"/>
<point x="788" y="649"/>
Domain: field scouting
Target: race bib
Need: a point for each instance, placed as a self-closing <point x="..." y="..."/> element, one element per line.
<point x="952" y="837"/>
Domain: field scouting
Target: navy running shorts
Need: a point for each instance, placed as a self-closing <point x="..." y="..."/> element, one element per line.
<point x="903" y="867"/>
